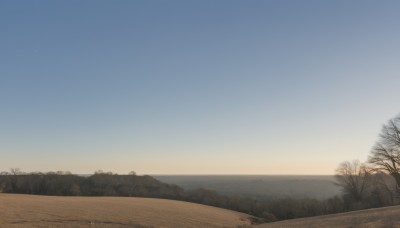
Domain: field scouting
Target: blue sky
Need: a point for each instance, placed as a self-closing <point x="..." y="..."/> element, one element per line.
<point x="195" y="87"/>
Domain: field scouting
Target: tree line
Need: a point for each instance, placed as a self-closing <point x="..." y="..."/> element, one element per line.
<point x="100" y="184"/>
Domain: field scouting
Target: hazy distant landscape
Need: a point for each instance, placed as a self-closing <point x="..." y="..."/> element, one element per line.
<point x="264" y="208"/>
<point x="259" y="186"/>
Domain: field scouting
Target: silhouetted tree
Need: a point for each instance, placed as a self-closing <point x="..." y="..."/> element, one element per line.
<point x="16" y="171"/>
<point x="353" y="177"/>
<point x="385" y="155"/>
<point x="383" y="190"/>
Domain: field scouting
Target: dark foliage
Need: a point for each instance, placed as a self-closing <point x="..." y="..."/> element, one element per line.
<point x="99" y="184"/>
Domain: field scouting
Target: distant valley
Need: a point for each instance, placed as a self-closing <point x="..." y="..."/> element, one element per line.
<point x="259" y="186"/>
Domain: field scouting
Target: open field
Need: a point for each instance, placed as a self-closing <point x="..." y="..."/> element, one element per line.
<point x="380" y="217"/>
<point x="58" y="211"/>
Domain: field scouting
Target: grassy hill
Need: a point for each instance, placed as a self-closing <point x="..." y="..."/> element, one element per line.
<point x="380" y="217"/>
<point x="58" y="211"/>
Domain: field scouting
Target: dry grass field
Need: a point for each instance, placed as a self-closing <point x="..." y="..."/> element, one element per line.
<point x="57" y="211"/>
<point x="54" y="211"/>
<point x="380" y="217"/>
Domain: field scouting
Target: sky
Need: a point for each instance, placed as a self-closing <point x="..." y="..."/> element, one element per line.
<point x="195" y="87"/>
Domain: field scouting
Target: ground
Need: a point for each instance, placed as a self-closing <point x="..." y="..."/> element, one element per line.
<point x="57" y="211"/>
<point x="380" y="217"/>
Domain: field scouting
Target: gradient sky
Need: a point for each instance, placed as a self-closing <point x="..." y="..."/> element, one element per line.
<point x="195" y="87"/>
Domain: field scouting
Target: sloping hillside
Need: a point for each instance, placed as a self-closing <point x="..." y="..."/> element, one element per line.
<point x="57" y="211"/>
<point x="380" y="217"/>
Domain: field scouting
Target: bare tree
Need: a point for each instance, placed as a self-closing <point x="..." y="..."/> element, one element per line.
<point x="384" y="188"/>
<point x="16" y="171"/>
<point x="385" y="155"/>
<point x="353" y="177"/>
